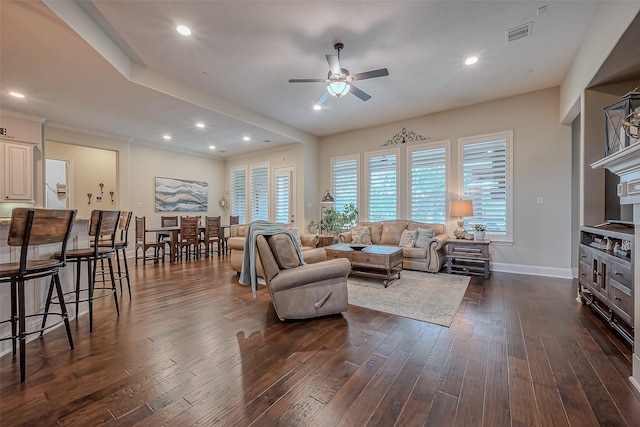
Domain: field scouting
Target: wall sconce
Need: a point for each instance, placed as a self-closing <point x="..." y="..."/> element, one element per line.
<point x="111" y="193"/>
<point x="89" y="195"/>
<point x="101" y="185"/>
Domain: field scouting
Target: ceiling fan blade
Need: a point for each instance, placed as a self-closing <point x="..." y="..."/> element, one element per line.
<point x="360" y="94"/>
<point x="308" y="81"/>
<point x="370" y="74"/>
<point x="323" y="98"/>
<point x="334" y="64"/>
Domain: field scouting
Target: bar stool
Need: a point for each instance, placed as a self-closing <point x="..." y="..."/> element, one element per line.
<point x="34" y="227"/>
<point x="102" y="231"/>
<point x="122" y="241"/>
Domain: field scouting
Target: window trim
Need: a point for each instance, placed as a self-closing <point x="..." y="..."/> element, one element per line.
<point x="508" y="137"/>
<point x="446" y="144"/>
<point x="365" y="190"/>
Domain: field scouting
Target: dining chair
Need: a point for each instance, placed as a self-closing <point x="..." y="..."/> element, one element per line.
<point x="30" y="228"/>
<point x="211" y="235"/>
<point x="188" y="239"/>
<point x="142" y="246"/>
<point x="166" y="221"/>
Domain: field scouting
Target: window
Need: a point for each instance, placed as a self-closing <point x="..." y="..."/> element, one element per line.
<point x="487" y="181"/>
<point x="344" y="181"/>
<point x="239" y="193"/>
<point x="283" y="189"/>
<point x="428" y="183"/>
<point x="259" y="192"/>
<point x="382" y="185"/>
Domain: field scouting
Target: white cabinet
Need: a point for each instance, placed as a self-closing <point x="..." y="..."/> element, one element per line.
<point x="17" y="171"/>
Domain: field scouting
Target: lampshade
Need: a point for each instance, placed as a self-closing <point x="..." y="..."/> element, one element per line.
<point x="338" y="88"/>
<point x="461" y="208"/>
<point x="327" y="198"/>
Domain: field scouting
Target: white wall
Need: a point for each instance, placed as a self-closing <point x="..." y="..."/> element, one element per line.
<point x="542" y="168"/>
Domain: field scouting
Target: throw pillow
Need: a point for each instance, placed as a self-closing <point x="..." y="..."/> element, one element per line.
<point x="284" y="251"/>
<point x="424" y="237"/>
<point x="296" y="234"/>
<point x="361" y="235"/>
<point x="408" y="238"/>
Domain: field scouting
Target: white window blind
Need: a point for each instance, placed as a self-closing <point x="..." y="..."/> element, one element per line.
<point x="239" y="194"/>
<point x="428" y="182"/>
<point x="260" y="193"/>
<point x="282" y="198"/>
<point x="344" y="175"/>
<point x="486" y="179"/>
<point x="382" y="180"/>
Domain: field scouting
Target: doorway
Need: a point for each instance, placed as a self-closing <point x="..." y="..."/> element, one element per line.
<point x="58" y="177"/>
<point x="284" y="205"/>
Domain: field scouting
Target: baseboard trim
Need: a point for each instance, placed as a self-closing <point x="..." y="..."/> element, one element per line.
<point x="562" y="273"/>
<point x="635" y="377"/>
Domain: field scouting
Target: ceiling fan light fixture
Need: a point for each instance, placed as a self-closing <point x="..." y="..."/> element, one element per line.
<point x="338" y="88"/>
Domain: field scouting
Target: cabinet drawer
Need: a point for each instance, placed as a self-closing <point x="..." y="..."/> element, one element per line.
<point x="584" y="272"/>
<point x="620" y="298"/>
<point x="620" y="273"/>
<point x="585" y="255"/>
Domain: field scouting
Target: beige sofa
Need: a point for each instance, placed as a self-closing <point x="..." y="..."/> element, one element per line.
<point x="238" y="237"/>
<point x="388" y="233"/>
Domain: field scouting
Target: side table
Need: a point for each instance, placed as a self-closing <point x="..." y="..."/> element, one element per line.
<point x="325" y="240"/>
<point x="468" y="257"/>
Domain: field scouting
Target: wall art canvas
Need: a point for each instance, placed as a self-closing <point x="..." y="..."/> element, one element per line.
<point x="181" y="195"/>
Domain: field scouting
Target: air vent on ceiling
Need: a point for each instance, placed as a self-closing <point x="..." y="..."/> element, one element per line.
<point x="519" y="32"/>
<point x="222" y="151"/>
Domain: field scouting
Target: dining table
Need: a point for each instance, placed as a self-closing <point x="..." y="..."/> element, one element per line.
<point x="174" y="233"/>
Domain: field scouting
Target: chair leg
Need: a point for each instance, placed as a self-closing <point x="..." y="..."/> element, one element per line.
<point x="113" y="285"/>
<point x="63" y="308"/>
<point x="126" y="268"/>
<point x="78" y="273"/>
<point x="119" y="269"/>
<point x="21" y="329"/>
<point x="47" y="305"/>
<point x="14" y="316"/>
<point x="91" y="280"/>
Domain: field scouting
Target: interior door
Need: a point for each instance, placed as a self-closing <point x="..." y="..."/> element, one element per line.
<point x="57" y="183"/>
<point x="284" y="190"/>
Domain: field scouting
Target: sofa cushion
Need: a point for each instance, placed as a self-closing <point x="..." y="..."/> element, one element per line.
<point x="414" y="253"/>
<point x="424" y="237"/>
<point x="408" y="238"/>
<point x="361" y="235"/>
<point x="391" y="233"/>
<point x="284" y="251"/>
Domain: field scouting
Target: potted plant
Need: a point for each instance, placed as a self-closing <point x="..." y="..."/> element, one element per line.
<point x="335" y="222"/>
<point x="480" y="230"/>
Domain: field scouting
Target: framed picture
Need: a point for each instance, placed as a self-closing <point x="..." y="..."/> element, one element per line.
<point x="181" y="195"/>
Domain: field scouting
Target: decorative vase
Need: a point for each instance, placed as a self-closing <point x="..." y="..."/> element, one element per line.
<point x="480" y="235"/>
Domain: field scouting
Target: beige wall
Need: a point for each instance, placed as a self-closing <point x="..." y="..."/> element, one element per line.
<point x="148" y="163"/>
<point x="542" y="168"/>
<point x="89" y="167"/>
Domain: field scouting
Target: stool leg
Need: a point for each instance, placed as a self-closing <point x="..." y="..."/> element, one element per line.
<point x="119" y="269"/>
<point x="14" y="315"/>
<point x="91" y="278"/>
<point x="46" y="307"/>
<point x="63" y="308"/>
<point x="21" y="329"/>
<point x="126" y="268"/>
<point x="113" y="285"/>
<point x="78" y="273"/>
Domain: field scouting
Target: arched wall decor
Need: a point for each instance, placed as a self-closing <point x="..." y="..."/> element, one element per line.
<point x="405" y="136"/>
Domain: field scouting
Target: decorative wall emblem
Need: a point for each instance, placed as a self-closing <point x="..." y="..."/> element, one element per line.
<point x="405" y="136"/>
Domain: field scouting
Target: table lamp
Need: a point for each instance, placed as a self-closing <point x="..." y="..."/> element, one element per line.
<point x="327" y="198"/>
<point x="461" y="208"/>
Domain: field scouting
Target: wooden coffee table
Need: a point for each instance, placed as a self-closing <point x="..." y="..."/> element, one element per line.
<point x="373" y="260"/>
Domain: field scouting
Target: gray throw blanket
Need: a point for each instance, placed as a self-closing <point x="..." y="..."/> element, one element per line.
<point x="248" y="275"/>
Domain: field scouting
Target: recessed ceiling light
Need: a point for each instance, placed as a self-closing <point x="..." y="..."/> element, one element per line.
<point x="167" y="137"/>
<point x="16" y="94"/>
<point x="185" y="31"/>
<point x="317" y="107"/>
<point x="213" y="147"/>
<point x="471" y="60"/>
<point x="246" y="138"/>
<point x="200" y="125"/>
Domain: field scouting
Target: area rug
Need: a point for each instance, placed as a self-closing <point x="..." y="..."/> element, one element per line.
<point x="432" y="298"/>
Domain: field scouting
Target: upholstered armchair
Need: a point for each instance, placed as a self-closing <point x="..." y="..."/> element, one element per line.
<point x="301" y="291"/>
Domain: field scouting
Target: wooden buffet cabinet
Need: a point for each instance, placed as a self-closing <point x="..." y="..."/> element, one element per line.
<point x="605" y="274"/>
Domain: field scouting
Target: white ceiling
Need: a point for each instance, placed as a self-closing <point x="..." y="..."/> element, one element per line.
<point x="233" y="72"/>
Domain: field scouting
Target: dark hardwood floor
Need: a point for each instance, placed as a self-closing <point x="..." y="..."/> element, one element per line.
<point x="194" y="348"/>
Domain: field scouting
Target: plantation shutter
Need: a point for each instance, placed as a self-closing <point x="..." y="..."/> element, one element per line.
<point x="345" y="183"/>
<point x="260" y="193"/>
<point x="282" y="198"/>
<point x="485" y="182"/>
<point x="383" y="187"/>
<point x="239" y="194"/>
<point x="428" y="195"/>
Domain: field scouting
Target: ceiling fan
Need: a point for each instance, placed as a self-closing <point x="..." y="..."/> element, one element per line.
<point x="340" y="81"/>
